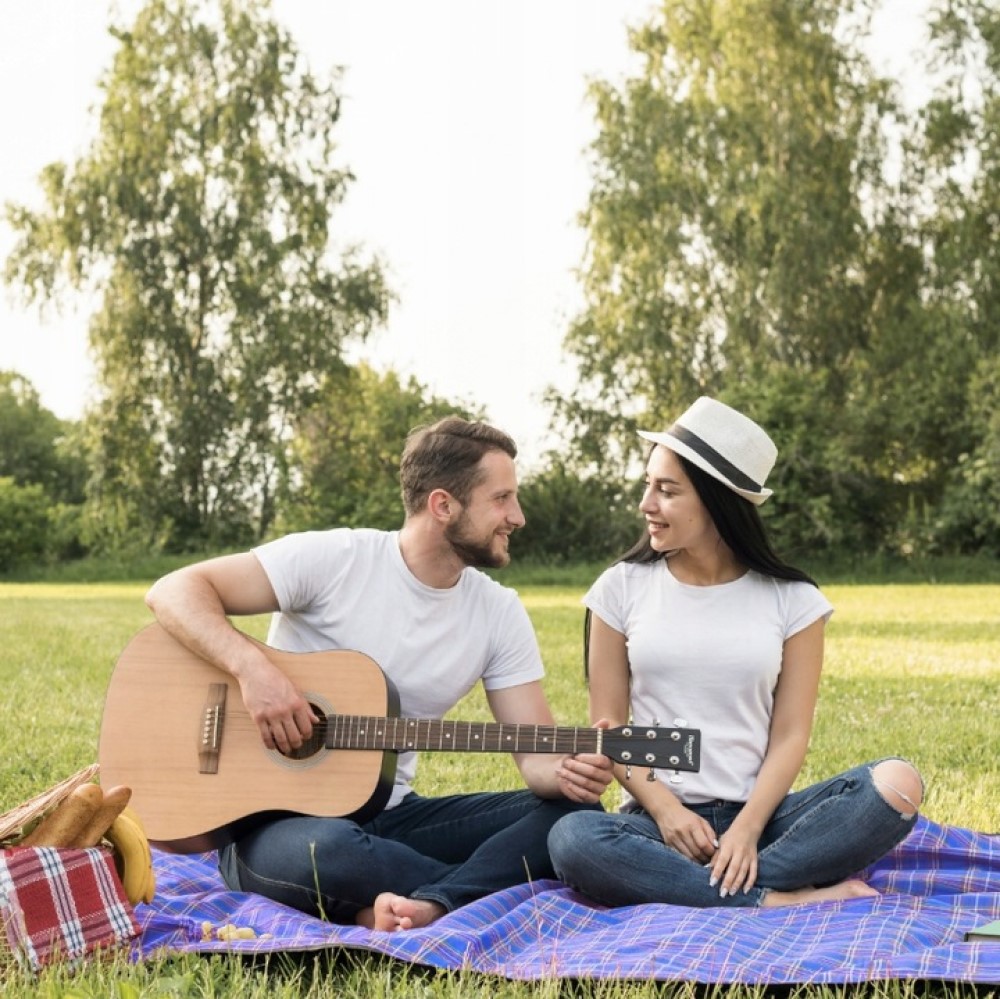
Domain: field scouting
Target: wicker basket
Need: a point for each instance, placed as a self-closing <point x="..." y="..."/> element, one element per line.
<point x="17" y="821"/>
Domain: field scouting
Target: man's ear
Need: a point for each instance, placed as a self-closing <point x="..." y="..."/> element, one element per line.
<point x="442" y="505"/>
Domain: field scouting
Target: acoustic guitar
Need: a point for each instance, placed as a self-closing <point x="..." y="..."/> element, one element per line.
<point x="176" y="731"/>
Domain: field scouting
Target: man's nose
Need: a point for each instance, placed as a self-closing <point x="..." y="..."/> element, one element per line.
<point x="516" y="515"/>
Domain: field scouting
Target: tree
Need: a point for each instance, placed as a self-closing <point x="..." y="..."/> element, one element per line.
<point x="969" y="517"/>
<point x="572" y="518"/>
<point x="747" y="240"/>
<point x="202" y="215"/>
<point x="24" y="523"/>
<point x="346" y="452"/>
<point x="726" y="230"/>
<point x="955" y="152"/>
<point x="35" y="445"/>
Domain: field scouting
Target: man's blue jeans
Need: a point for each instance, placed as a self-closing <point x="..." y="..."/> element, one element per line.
<point x="450" y="850"/>
<point x="818" y="836"/>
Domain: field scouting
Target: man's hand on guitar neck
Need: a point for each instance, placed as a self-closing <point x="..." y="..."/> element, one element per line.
<point x="581" y="777"/>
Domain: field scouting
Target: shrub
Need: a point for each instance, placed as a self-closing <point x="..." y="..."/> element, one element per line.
<point x="25" y="522"/>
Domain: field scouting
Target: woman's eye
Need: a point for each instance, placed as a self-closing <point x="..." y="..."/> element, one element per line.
<point x="661" y="490"/>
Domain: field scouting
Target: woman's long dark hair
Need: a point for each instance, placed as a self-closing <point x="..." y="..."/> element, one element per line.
<point x="739" y="525"/>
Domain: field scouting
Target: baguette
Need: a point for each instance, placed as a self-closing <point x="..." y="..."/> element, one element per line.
<point x="64" y="824"/>
<point x="114" y="800"/>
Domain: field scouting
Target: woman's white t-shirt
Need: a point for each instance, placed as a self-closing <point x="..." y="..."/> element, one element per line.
<point x="351" y="589"/>
<point x="706" y="657"/>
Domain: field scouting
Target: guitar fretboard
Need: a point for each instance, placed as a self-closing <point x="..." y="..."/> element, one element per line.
<point x="429" y="734"/>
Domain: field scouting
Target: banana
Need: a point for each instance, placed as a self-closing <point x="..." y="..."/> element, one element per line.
<point x="149" y="889"/>
<point x="134" y="816"/>
<point x="133" y="858"/>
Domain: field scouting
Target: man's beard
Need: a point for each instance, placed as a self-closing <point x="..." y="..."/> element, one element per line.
<point x="472" y="551"/>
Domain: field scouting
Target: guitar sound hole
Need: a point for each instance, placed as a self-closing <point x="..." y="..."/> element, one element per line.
<point x="314" y="743"/>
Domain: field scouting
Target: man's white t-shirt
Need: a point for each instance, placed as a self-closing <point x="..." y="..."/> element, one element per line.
<point x="351" y="589"/>
<point x="706" y="657"/>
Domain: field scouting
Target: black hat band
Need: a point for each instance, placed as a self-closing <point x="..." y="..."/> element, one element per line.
<point x="721" y="464"/>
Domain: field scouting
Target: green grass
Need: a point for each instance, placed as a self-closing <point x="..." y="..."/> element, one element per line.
<point x="848" y="568"/>
<point x="911" y="668"/>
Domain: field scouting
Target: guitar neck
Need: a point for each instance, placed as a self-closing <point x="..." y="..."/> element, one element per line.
<point x="436" y="735"/>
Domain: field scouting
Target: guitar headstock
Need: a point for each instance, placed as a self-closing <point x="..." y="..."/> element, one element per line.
<point x="645" y="746"/>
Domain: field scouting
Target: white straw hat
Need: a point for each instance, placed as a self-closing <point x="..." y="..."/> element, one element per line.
<point x="724" y="443"/>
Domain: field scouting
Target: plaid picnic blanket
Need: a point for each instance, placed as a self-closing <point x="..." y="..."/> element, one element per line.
<point x="62" y="904"/>
<point x="938" y="884"/>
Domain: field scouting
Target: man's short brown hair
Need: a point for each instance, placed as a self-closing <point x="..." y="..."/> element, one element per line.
<point x="446" y="455"/>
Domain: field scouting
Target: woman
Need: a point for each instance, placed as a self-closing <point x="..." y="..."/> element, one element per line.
<point x="702" y="624"/>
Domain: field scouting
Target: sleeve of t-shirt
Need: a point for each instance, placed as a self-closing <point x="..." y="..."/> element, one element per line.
<point x="515" y="657"/>
<point x="300" y="566"/>
<point x="806" y="605"/>
<point x="604" y="599"/>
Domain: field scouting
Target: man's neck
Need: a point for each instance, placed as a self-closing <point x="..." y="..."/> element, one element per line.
<point x="428" y="556"/>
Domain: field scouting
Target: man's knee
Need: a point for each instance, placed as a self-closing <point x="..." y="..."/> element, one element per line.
<point x="572" y="841"/>
<point x="900" y="783"/>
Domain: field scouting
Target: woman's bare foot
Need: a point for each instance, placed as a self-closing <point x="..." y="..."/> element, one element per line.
<point x="837" y="892"/>
<point x="397" y="912"/>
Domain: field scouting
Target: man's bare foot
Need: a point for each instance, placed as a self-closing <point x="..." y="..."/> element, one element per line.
<point x="397" y="912"/>
<point x="837" y="892"/>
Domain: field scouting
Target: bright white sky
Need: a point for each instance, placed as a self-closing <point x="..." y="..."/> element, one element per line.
<point x="466" y="126"/>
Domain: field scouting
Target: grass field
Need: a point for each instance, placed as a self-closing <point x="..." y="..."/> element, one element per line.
<point x="911" y="669"/>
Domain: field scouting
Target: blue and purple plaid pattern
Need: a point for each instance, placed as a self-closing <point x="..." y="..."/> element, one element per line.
<point x="939" y="883"/>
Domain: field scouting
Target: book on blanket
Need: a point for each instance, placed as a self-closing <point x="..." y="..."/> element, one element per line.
<point x="988" y="931"/>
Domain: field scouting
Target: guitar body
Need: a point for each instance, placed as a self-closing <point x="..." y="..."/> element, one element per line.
<point x="162" y="703"/>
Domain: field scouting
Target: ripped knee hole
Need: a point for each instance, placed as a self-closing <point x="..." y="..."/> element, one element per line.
<point x="900" y="772"/>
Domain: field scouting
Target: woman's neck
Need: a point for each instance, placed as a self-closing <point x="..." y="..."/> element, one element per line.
<point x="710" y="569"/>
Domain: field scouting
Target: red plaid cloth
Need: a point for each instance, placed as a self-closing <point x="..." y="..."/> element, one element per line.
<point x="62" y="904"/>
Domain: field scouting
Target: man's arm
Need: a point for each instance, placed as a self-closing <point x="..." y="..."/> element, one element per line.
<point x="582" y="777"/>
<point x="193" y="605"/>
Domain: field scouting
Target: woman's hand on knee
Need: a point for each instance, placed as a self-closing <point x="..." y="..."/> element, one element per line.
<point x="734" y="868"/>
<point x="688" y="833"/>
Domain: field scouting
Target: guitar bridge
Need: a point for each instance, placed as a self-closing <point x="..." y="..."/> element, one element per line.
<point x="210" y="737"/>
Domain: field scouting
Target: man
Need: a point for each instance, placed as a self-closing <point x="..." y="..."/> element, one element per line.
<point x="413" y="601"/>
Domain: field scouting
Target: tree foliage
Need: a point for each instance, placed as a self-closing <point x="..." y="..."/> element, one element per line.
<point x="750" y="238"/>
<point x="201" y="213"/>
<point x="24" y="523"/>
<point x="955" y="154"/>
<point x="43" y="473"/>
<point x="573" y="519"/>
<point x="725" y="220"/>
<point x="346" y="451"/>
<point x="35" y="445"/>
